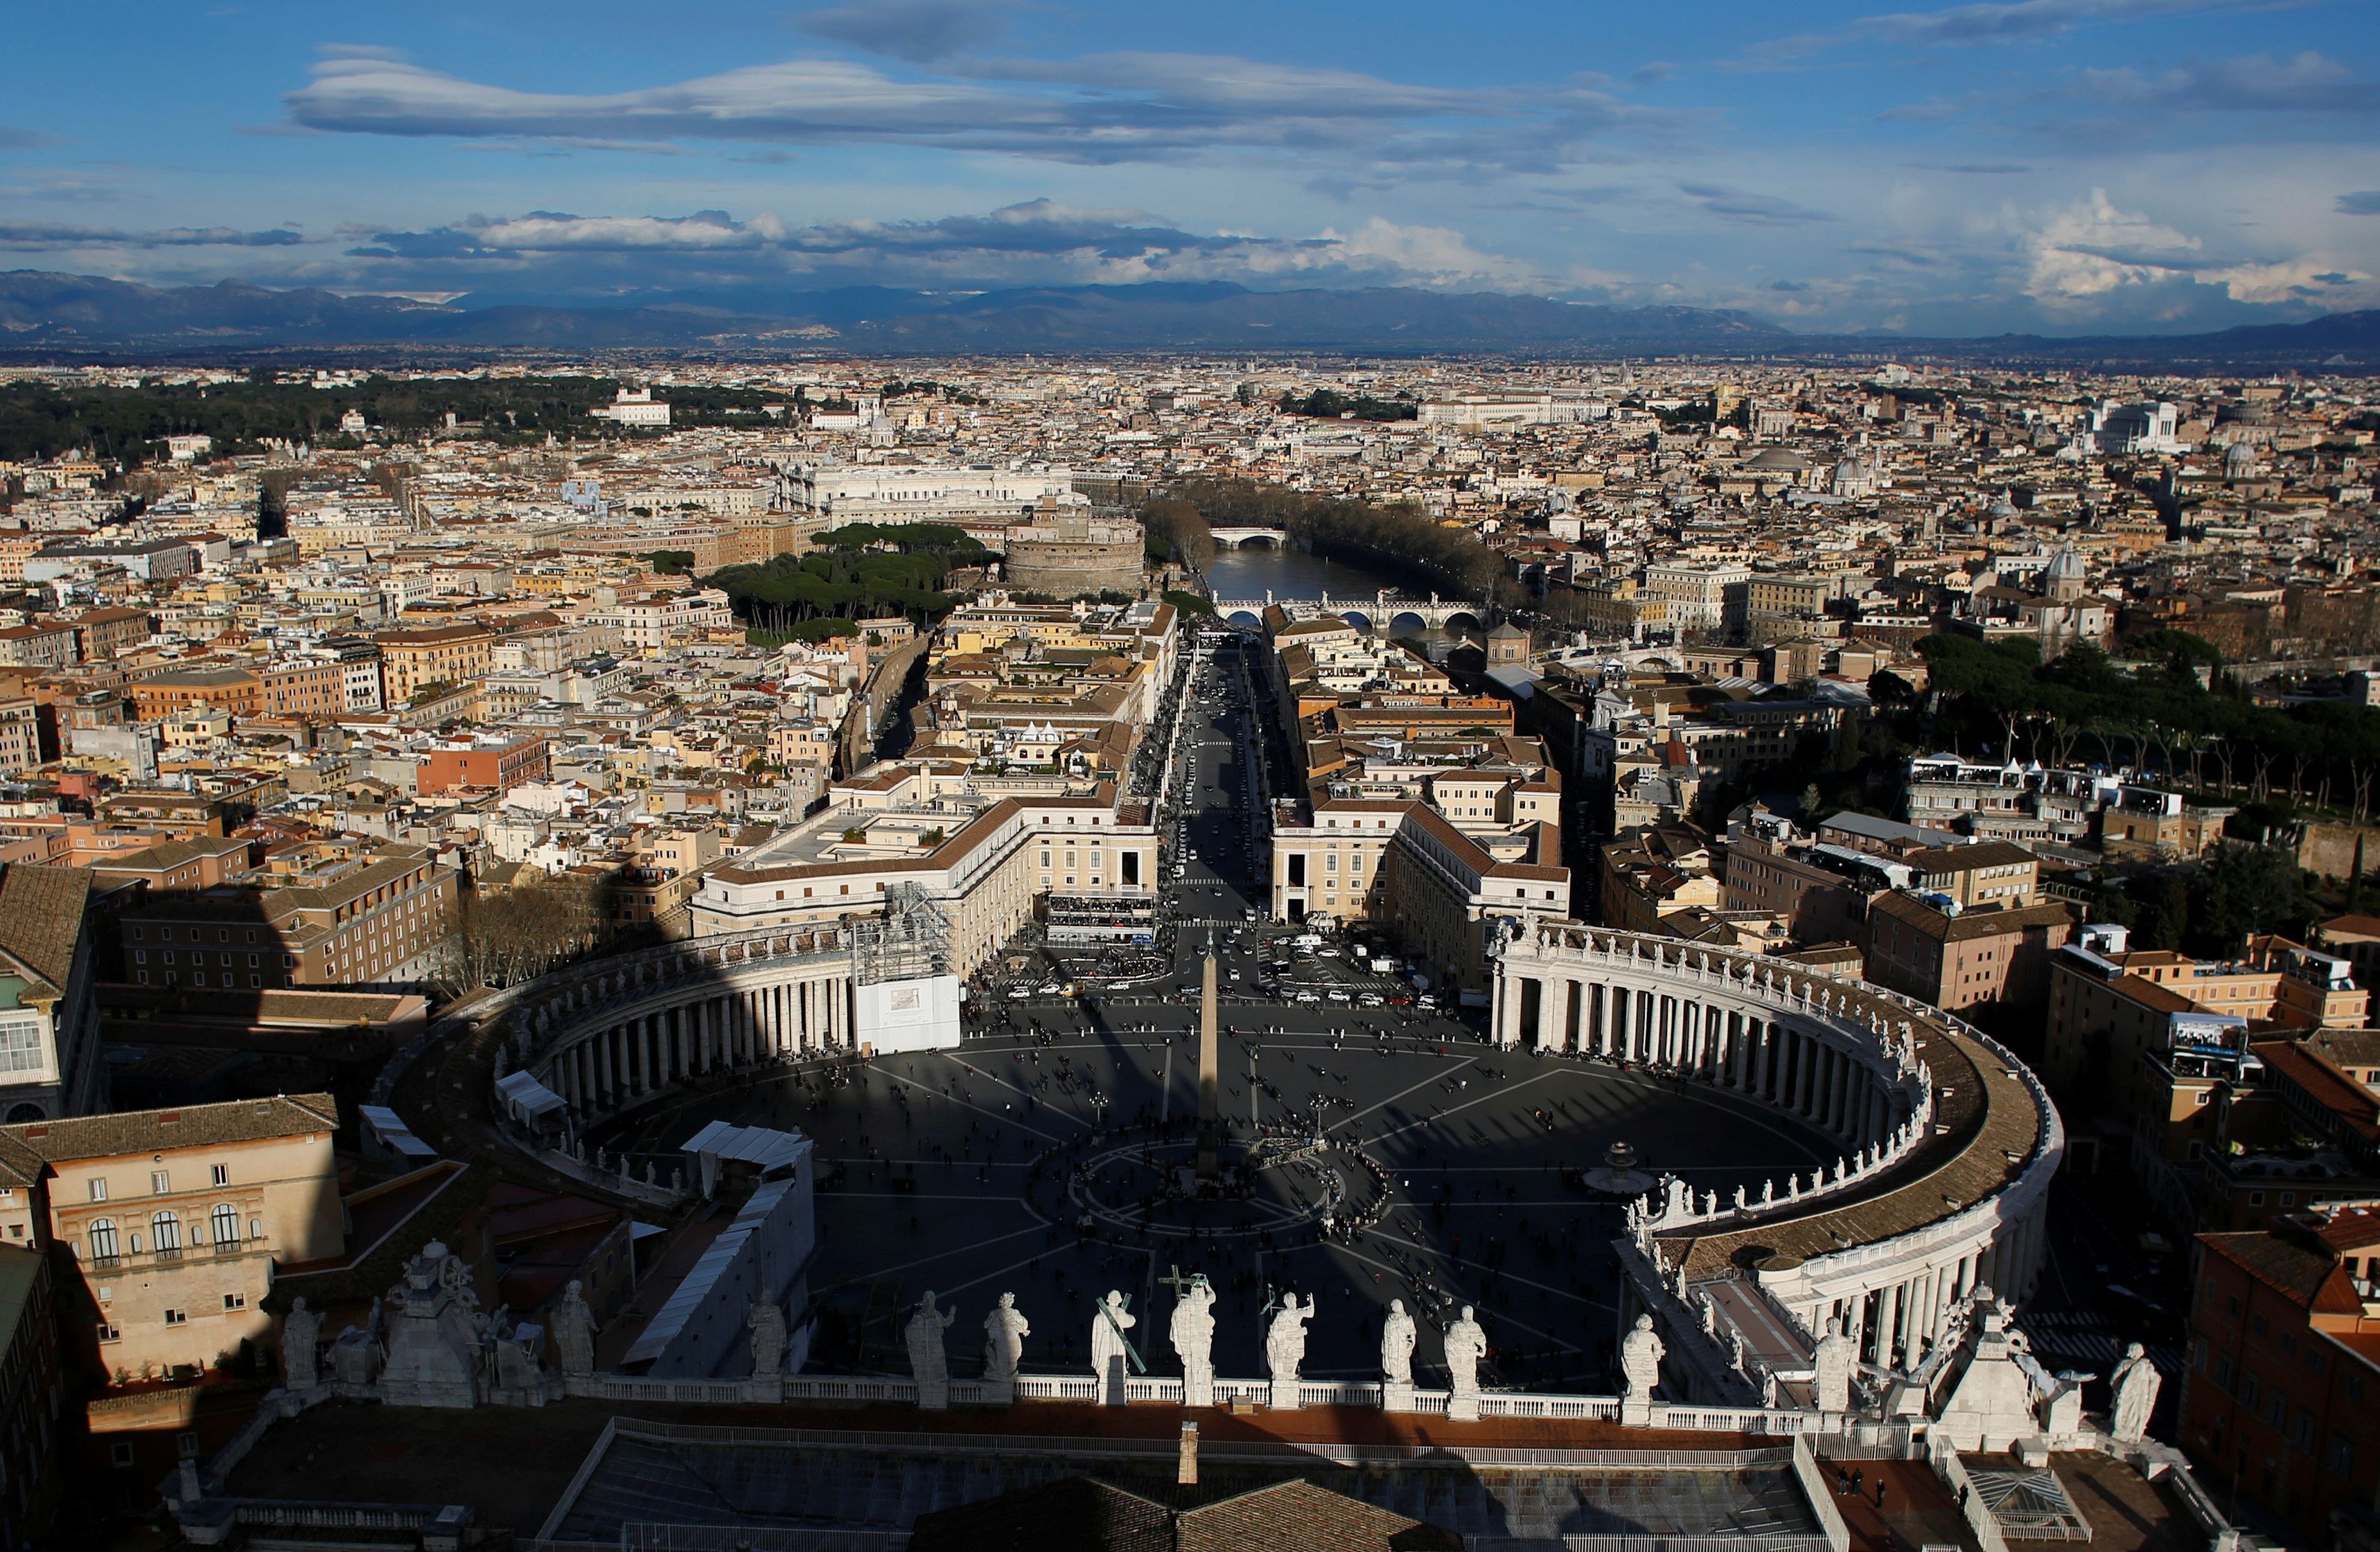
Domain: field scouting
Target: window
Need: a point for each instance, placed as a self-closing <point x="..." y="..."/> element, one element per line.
<point x="225" y="1222"/>
<point x="107" y="1334"/>
<point x="119" y="1454"/>
<point x="98" y="1185"/>
<point x="167" y="1229"/>
<point x="2342" y="1454"/>
<point x="20" y="1042"/>
<point x="177" y="1317"/>
<point x="101" y="1239"/>
<point x="235" y="1302"/>
<point x="160" y="1182"/>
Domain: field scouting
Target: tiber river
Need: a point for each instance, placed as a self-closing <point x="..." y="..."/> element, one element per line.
<point x="1248" y="572"/>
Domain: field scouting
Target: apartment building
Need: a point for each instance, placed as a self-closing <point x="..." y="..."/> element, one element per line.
<point x="175" y="1221"/>
<point x="1955" y="960"/>
<point x="491" y="762"/>
<point x="304" y="687"/>
<point x="412" y="660"/>
<point x="1403" y="866"/>
<point x="29" y="738"/>
<point x="651" y="623"/>
<point x="339" y="917"/>
<point x="2146" y="1045"/>
<point x="33" y="1395"/>
<point x="2281" y="1399"/>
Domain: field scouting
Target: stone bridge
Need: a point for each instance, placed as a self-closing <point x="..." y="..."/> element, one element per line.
<point x="1396" y="614"/>
<point x="1231" y="538"/>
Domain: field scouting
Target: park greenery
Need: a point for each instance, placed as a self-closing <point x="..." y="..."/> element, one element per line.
<point x="1329" y="403"/>
<point x="858" y="569"/>
<point x="2213" y="739"/>
<point x="2148" y="713"/>
<point x="1175" y="530"/>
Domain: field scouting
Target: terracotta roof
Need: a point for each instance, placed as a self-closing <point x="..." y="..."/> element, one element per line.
<point x="125" y="1132"/>
<point x="1969" y="924"/>
<point x="42" y="918"/>
<point x="2293" y="1270"/>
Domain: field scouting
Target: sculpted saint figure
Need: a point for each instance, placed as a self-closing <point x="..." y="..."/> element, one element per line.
<point x="924" y="1335"/>
<point x="301" y="1334"/>
<point x="1192" y="1332"/>
<point x="1108" y="1345"/>
<point x="1832" y="1360"/>
<point x="767" y="1323"/>
<point x="1004" y="1331"/>
<point x="572" y="1324"/>
<point x="1397" y="1339"/>
<point x="1466" y="1343"/>
<point x="1641" y="1352"/>
<point x="1285" y="1342"/>
<point x="2136" y="1382"/>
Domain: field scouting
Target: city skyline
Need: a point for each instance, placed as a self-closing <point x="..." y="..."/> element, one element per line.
<point x="2059" y="166"/>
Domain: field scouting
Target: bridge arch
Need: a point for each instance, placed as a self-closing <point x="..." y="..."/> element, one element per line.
<point x="1358" y="619"/>
<point x="1243" y="617"/>
<point x="1463" y="618"/>
<point x="1404" y="622"/>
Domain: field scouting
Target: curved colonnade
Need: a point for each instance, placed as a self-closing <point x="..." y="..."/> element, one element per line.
<point x="1949" y="1141"/>
<point x="610" y="1034"/>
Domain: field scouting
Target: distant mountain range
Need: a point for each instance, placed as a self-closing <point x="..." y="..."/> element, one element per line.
<point x="47" y="315"/>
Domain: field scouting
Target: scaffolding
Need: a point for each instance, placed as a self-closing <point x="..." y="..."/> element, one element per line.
<point x="910" y="942"/>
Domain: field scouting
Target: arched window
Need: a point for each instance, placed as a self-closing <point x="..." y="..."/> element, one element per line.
<point x="19" y="1114"/>
<point x="101" y="1237"/>
<point x="167" y="1231"/>
<point x="224" y="1221"/>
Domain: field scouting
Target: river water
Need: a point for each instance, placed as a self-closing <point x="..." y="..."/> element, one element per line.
<point x="1249" y="570"/>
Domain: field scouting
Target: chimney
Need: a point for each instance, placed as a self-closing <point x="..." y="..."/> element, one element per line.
<point x="1188" y="1474"/>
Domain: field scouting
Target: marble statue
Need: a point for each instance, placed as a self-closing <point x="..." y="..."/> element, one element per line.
<point x="1285" y="1342"/>
<point x="2136" y="1382"/>
<point x="1466" y="1343"/>
<point x="1004" y="1331"/>
<point x="1109" y="1345"/>
<point x="1397" y="1338"/>
<point x="927" y="1360"/>
<point x="301" y="1333"/>
<point x="1641" y="1351"/>
<point x="1832" y="1361"/>
<point x="572" y="1324"/>
<point x="1192" y="1332"/>
<point x="767" y="1323"/>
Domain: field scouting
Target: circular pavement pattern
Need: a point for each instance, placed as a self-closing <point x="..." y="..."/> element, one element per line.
<point x="1365" y="1165"/>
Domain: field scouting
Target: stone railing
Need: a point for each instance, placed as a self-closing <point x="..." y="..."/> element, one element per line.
<point x="1167" y="1390"/>
<point x="1683" y="1211"/>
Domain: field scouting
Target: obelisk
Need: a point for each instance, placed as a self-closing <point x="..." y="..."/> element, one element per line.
<point x="1209" y="1062"/>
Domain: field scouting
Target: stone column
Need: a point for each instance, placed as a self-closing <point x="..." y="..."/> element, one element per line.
<point x="611" y="1082"/>
<point x="1803" y="1092"/>
<point x="1511" y="995"/>
<point x="1553" y="1013"/>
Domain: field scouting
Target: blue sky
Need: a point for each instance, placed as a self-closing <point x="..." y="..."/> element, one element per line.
<point x="2056" y="165"/>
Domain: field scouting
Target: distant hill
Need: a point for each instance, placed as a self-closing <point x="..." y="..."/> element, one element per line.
<point x="47" y="314"/>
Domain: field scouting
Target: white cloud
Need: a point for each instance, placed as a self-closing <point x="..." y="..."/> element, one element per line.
<point x="1095" y="109"/>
